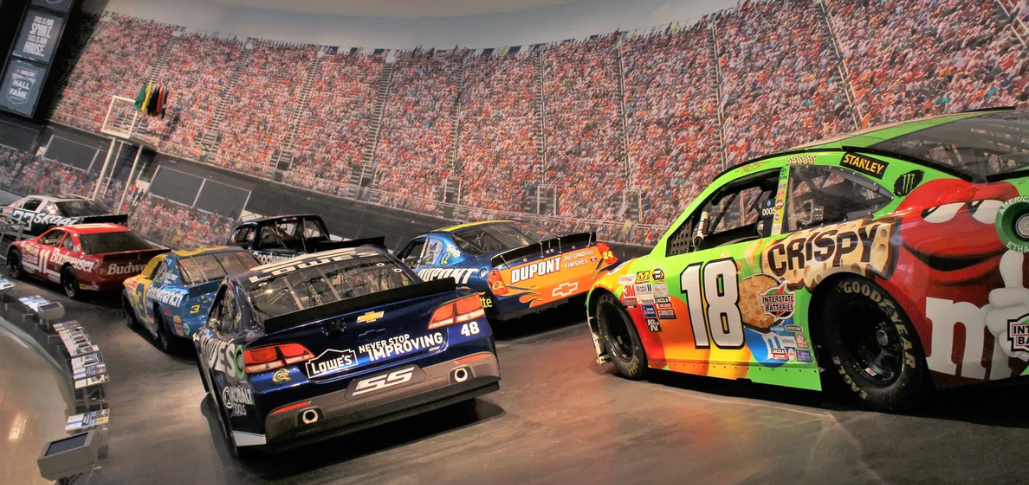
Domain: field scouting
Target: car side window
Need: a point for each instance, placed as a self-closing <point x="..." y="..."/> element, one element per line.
<point x="52" y="238"/>
<point x="68" y="243"/>
<point x="432" y="251"/>
<point x="740" y="211"/>
<point x="413" y="252"/>
<point x="31" y="204"/>
<point x="229" y="317"/>
<point x="822" y="195"/>
<point x="243" y="236"/>
<point x="49" y="208"/>
<point x="268" y="239"/>
<point x="162" y="269"/>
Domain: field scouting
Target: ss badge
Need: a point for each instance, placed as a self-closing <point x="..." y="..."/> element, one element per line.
<point x="395" y="378"/>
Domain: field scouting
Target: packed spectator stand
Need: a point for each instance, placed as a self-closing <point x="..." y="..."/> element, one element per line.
<point x="626" y="128"/>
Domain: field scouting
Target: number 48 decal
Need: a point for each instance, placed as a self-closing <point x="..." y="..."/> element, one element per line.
<point x="713" y="297"/>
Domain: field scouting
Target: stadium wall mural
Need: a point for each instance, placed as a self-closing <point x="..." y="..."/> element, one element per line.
<point x="615" y="133"/>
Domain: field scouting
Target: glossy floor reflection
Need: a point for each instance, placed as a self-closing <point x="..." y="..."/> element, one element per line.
<point x="33" y="403"/>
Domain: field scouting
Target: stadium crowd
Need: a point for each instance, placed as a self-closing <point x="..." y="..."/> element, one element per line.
<point x="199" y="68"/>
<point x="330" y="141"/>
<point x="585" y="140"/>
<point x="115" y="62"/>
<point x="766" y="75"/>
<point x="177" y="226"/>
<point x="261" y="105"/>
<point x="499" y="152"/>
<point x="671" y="117"/>
<point x="413" y="154"/>
<point x="957" y="55"/>
<point x="781" y="84"/>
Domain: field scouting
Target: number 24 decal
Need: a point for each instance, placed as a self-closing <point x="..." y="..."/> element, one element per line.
<point x="713" y="297"/>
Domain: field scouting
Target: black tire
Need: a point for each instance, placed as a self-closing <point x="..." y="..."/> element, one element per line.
<point x="873" y="346"/>
<point x="14" y="269"/>
<point x="130" y="314"/>
<point x="70" y="283"/>
<point x="619" y="337"/>
<point x="164" y="340"/>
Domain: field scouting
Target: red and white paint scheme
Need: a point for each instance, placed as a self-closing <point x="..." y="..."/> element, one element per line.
<point x="83" y="257"/>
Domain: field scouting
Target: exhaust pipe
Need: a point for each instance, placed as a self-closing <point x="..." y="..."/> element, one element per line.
<point x="461" y="374"/>
<point x="309" y="416"/>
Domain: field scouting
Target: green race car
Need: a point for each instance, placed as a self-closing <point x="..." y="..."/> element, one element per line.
<point x="893" y="258"/>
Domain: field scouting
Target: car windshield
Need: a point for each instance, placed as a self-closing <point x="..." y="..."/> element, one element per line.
<point x="112" y="242"/>
<point x="497" y="237"/>
<point x="326" y="283"/>
<point x="981" y="146"/>
<point x="211" y="267"/>
<point x="79" y="208"/>
<point x="292" y="233"/>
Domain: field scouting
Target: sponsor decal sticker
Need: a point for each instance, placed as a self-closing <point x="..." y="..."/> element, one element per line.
<point x="659" y="275"/>
<point x="1018" y="332"/>
<point x="167" y="297"/>
<point x="802" y="342"/>
<point x="282" y="375"/>
<point x="370" y="317"/>
<point x="384" y="381"/>
<point x="532" y="270"/>
<point x="646" y="299"/>
<point x="330" y="361"/>
<point x="865" y="165"/>
<point x="791" y="354"/>
<point x="804" y="356"/>
<point x="661" y="290"/>
<point x="778" y="354"/>
<point x="666" y="314"/>
<point x="644" y="289"/>
<point x="236" y="398"/>
<point x="778" y="302"/>
<point x="626" y="279"/>
<point x="629" y="296"/>
<point x="565" y="289"/>
<point x="642" y="276"/>
<point x="649" y="311"/>
<point x="653" y="325"/>
<point x="908" y="182"/>
<point x="793" y="328"/>
<point x="459" y="275"/>
<point x="801" y="160"/>
<point x="400" y="345"/>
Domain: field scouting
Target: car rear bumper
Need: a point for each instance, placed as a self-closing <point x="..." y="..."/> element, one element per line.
<point x="341" y="412"/>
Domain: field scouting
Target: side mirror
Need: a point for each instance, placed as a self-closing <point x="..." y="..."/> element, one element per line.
<point x="761" y="227"/>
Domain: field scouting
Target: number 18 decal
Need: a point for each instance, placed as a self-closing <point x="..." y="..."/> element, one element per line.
<point x="713" y="297"/>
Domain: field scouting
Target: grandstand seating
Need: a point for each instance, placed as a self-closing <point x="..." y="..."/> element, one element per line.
<point x="653" y="112"/>
<point x="672" y="119"/>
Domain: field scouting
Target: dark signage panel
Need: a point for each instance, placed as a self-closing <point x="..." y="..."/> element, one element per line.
<point x="22" y="83"/>
<point x="63" y="6"/>
<point x="38" y="37"/>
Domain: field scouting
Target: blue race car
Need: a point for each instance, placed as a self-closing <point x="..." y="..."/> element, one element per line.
<point x="329" y="343"/>
<point x="173" y="294"/>
<point x="518" y="268"/>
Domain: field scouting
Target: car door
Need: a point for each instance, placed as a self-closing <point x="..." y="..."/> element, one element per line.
<point x="704" y="270"/>
<point x="221" y="343"/>
<point x="140" y="284"/>
<point x="152" y="294"/>
<point x="28" y="216"/>
<point x="49" y="265"/>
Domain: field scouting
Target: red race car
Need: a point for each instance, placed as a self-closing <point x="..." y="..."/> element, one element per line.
<point x="83" y="257"/>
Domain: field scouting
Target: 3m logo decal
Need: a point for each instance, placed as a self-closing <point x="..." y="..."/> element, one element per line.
<point x="865" y="165"/>
<point x="564" y="289"/>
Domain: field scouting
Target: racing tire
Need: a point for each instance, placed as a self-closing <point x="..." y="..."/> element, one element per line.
<point x="70" y="283"/>
<point x="14" y="269"/>
<point x="164" y="340"/>
<point x="620" y="339"/>
<point x="872" y="346"/>
<point x="130" y="314"/>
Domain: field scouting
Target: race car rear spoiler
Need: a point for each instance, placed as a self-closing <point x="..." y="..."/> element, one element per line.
<point x="570" y="242"/>
<point x="111" y="218"/>
<point x="323" y="312"/>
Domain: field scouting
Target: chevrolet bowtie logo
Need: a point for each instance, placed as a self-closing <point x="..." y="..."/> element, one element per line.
<point x="564" y="289"/>
<point x="370" y="317"/>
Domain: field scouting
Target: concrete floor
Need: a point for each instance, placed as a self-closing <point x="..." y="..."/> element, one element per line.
<point x="561" y="419"/>
<point x="33" y="405"/>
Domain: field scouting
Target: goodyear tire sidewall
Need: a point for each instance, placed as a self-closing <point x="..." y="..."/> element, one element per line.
<point x="636" y="365"/>
<point x="912" y="383"/>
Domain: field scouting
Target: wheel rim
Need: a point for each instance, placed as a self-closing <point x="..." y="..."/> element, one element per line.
<point x="14" y="266"/>
<point x="873" y="342"/>
<point x="617" y="332"/>
<point x="69" y="284"/>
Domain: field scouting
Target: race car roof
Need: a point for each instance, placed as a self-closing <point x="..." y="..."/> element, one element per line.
<point x="275" y="218"/>
<point x="470" y="224"/>
<point x="57" y="198"/>
<point x="95" y="228"/>
<point x="863" y="139"/>
<point x="188" y="253"/>
<point x="265" y="269"/>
